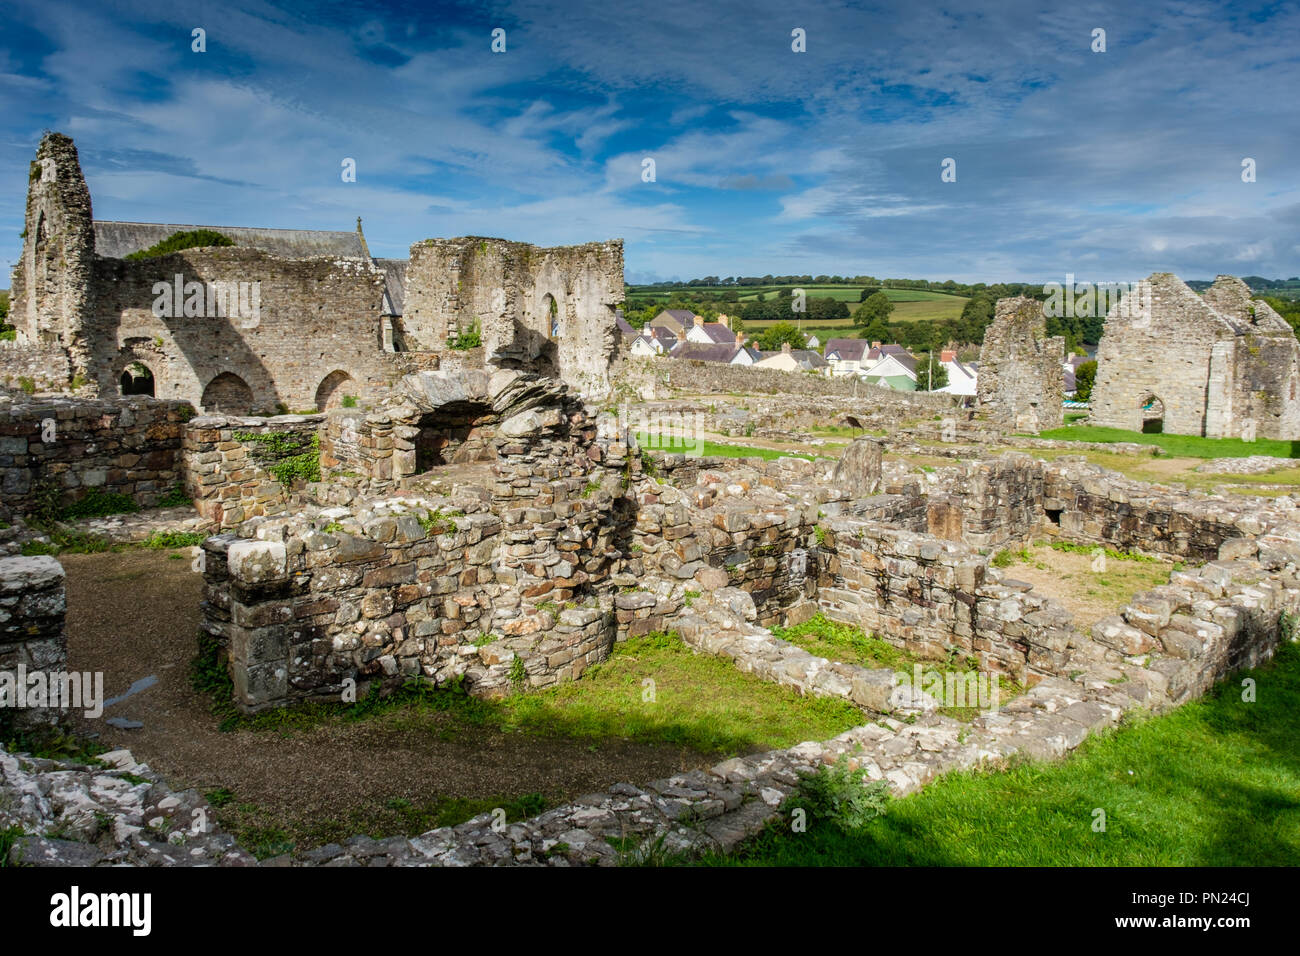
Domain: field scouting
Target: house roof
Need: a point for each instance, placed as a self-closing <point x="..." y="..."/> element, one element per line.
<point x="718" y="333"/>
<point x="850" y="350"/>
<point x="901" y="356"/>
<point x="623" y="324"/>
<point x="752" y="352"/>
<point x="680" y="316"/>
<point x="118" y="239"/>
<point x="808" y="358"/>
<point x="698" y="352"/>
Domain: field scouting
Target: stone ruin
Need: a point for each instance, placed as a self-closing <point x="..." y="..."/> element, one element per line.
<point x="1221" y="365"/>
<point x="479" y="522"/>
<point x="286" y="320"/>
<point x="1020" y="381"/>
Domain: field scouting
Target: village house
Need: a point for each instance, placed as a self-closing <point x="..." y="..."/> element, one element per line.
<point x="710" y="333"/>
<point x="676" y="321"/>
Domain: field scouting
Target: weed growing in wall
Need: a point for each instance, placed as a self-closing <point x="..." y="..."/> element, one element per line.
<point x="837" y="795"/>
<point x="471" y="338"/>
<point x="288" y="456"/>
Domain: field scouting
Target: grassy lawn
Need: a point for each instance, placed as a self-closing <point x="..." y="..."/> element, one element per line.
<point x="698" y="702"/>
<point x="1183" y="446"/>
<point x="675" y="445"/>
<point x="1215" y="783"/>
<point x="843" y="642"/>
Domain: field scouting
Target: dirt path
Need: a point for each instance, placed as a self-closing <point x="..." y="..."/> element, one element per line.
<point x="134" y="615"/>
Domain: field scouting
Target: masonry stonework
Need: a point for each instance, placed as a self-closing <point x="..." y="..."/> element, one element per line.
<point x="1221" y="365"/>
<point x="1020" y="377"/>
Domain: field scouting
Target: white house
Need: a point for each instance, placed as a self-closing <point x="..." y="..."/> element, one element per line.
<point x="961" y="377"/>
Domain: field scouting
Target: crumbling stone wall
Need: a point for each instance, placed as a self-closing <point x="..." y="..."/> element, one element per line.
<point x="32" y="634"/>
<point x="54" y="451"/>
<point x="50" y="291"/>
<point x="406" y="588"/>
<point x="549" y="311"/>
<point x="272" y="332"/>
<point x="1020" y="378"/>
<point x="1218" y="365"/>
<point x="1086" y="503"/>
<point x="45" y="366"/>
<point x="230" y="477"/>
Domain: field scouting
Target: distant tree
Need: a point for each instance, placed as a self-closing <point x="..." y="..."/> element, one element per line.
<point x="876" y="307"/>
<point x="868" y="292"/>
<point x="924" y="383"/>
<point x="878" y="331"/>
<point x="774" y="336"/>
<point x="4" y="305"/>
<point x="976" y="316"/>
<point x="1085" y="376"/>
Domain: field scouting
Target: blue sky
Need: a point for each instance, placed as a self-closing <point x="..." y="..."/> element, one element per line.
<point x="1105" y="165"/>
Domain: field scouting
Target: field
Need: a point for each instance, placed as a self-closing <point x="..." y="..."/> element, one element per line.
<point x="910" y="305"/>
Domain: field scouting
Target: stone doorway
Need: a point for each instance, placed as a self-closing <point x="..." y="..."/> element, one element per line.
<point x="1153" y="415"/>
<point x="456" y="433"/>
<point x="138" y="379"/>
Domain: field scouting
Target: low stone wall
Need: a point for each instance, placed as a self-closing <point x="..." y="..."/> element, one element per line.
<point x="1085" y="503"/>
<point x="229" y="475"/>
<point x="404" y="588"/>
<point x="32" y="635"/>
<point x="933" y="597"/>
<point x="53" y="452"/>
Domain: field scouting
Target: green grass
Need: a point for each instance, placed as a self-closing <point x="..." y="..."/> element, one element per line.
<point x="1180" y="446"/>
<point x="740" y="713"/>
<point x="1215" y="783"/>
<point x="675" y="445"/>
<point x="836" y="641"/>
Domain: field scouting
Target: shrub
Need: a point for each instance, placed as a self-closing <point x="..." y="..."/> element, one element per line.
<point x="191" y="239"/>
<point x="471" y="338"/>
<point x="837" y="795"/>
<point x="349" y="401"/>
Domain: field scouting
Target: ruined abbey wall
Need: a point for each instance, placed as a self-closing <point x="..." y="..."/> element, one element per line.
<point x="544" y="310"/>
<point x="1020" y="378"/>
<point x="1220" y="365"/>
<point x="53" y="452"/>
<point x="315" y="331"/>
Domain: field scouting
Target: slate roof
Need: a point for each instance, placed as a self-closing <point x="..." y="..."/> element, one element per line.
<point x="118" y="239"/>
<point x="850" y="350"/>
<point x="718" y="333"/>
<point x="694" y="351"/>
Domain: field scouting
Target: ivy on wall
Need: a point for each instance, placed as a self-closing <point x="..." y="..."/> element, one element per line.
<point x="288" y="456"/>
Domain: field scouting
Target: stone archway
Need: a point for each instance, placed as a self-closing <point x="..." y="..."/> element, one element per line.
<point x="227" y="394"/>
<point x="1153" y="414"/>
<point x="333" y="388"/>
<point x="460" y="431"/>
<point x="138" y="379"/>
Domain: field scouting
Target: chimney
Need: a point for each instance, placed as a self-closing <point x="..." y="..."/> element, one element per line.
<point x="948" y="355"/>
<point x="699" y="321"/>
<point x="740" y="339"/>
<point x="875" y="345"/>
<point x="724" y="321"/>
<point x="785" y="347"/>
